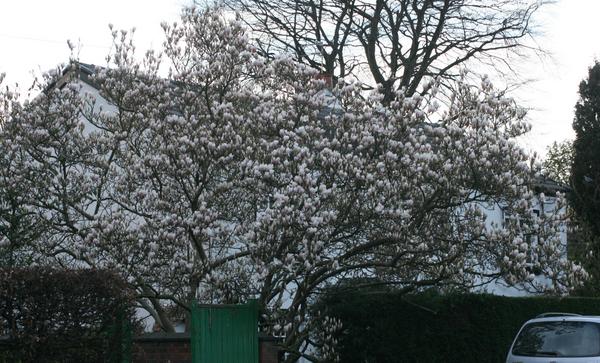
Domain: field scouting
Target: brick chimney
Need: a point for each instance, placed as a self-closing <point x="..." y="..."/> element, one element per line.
<point x="327" y="78"/>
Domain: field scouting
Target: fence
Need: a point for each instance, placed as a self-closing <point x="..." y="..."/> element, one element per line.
<point x="225" y="333"/>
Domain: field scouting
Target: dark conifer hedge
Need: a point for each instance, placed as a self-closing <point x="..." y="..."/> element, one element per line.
<point x="383" y="326"/>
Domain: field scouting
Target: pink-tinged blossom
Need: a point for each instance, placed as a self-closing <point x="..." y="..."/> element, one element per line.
<point x="224" y="180"/>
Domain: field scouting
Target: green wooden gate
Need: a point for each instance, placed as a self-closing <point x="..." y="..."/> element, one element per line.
<point x="225" y="333"/>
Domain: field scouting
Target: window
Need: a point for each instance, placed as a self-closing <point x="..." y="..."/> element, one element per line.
<point x="559" y="339"/>
<point x="529" y="235"/>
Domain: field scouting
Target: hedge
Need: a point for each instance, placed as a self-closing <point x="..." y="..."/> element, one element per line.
<point x="51" y="315"/>
<point x="380" y="326"/>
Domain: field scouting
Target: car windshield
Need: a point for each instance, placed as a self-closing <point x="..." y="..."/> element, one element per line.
<point x="559" y="339"/>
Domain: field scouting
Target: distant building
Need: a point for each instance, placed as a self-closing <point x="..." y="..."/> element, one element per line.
<point x="82" y="74"/>
<point x="497" y="215"/>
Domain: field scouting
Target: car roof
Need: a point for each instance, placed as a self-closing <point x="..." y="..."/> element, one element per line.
<point x="589" y="318"/>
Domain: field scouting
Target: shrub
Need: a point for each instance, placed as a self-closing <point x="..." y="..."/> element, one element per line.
<point x="385" y="326"/>
<point x="51" y="315"/>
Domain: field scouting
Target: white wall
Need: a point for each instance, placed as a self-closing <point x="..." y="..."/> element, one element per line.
<point x="494" y="214"/>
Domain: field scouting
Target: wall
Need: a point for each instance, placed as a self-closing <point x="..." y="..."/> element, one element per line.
<point x="162" y="348"/>
<point x="495" y="214"/>
<point x="175" y="348"/>
<point x="268" y="350"/>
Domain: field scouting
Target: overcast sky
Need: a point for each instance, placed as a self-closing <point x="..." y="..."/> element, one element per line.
<point x="34" y="33"/>
<point x="572" y="35"/>
<point x="33" y="37"/>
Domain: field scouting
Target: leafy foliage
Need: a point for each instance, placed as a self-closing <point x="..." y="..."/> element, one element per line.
<point x="557" y="165"/>
<point x="585" y="179"/>
<point x="50" y="315"/>
<point x="585" y="170"/>
<point x="386" y="326"/>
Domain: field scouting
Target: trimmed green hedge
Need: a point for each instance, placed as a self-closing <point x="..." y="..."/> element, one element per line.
<point x="51" y="315"/>
<point x="389" y="327"/>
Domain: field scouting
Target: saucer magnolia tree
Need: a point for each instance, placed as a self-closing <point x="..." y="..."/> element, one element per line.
<point x="19" y="227"/>
<point x="230" y="176"/>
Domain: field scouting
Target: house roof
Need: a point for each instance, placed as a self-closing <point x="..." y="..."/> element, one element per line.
<point x="79" y="70"/>
<point x="546" y="185"/>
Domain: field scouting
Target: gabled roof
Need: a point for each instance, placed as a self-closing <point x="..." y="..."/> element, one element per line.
<point x="79" y="70"/>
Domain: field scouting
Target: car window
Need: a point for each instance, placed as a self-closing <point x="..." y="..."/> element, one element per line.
<point x="559" y="339"/>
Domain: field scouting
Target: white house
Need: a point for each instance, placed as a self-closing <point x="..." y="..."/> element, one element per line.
<point x="545" y="202"/>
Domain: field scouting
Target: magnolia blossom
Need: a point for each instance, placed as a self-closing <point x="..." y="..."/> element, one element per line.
<point x="206" y="172"/>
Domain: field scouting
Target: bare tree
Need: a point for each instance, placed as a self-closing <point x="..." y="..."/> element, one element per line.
<point x="391" y="43"/>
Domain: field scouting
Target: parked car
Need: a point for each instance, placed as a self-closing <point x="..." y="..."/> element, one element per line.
<point x="557" y="338"/>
